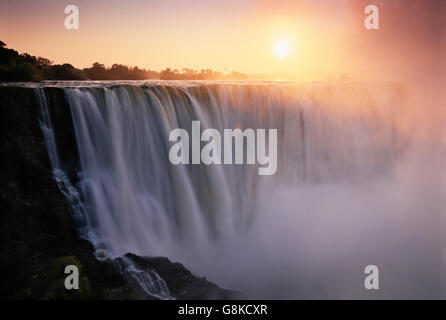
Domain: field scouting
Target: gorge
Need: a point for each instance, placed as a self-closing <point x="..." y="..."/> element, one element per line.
<point x="342" y="174"/>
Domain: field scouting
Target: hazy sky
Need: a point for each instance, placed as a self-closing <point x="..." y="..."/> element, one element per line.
<point x="325" y="36"/>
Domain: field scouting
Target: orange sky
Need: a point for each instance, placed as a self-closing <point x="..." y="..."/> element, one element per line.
<point x="325" y="37"/>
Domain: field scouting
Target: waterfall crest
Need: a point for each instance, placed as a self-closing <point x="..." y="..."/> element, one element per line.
<point x="130" y="198"/>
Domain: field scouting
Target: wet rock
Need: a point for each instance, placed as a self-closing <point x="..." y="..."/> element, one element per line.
<point x="181" y="282"/>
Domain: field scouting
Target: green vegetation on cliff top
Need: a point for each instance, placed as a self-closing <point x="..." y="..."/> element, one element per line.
<point x="25" y="67"/>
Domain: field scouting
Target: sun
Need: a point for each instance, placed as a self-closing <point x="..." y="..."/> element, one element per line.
<point x="281" y="49"/>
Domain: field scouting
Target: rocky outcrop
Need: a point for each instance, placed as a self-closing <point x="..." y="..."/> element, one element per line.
<point x="180" y="281"/>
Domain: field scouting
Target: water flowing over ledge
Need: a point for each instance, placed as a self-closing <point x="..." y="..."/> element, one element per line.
<point x="127" y="197"/>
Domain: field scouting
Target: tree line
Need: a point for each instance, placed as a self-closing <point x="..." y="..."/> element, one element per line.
<point x="25" y="67"/>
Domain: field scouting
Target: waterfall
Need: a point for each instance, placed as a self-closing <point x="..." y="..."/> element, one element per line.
<point x="63" y="182"/>
<point x="130" y="198"/>
<point x="148" y="280"/>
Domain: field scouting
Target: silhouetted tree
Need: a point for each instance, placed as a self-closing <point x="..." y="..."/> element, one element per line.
<point x="44" y="62"/>
<point x="25" y="67"/>
<point x="65" y="72"/>
<point x="167" y="74"/>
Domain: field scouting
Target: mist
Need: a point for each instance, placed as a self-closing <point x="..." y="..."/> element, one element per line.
<point x="314" y="241"/>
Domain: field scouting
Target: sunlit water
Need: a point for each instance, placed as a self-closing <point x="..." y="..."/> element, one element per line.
<point x="353" y="186"/>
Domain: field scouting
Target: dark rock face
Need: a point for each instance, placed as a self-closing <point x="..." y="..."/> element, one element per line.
<point x="180" y="281"/>
<point x="37" y="235"/>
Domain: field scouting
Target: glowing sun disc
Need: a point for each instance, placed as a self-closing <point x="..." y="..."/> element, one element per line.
<point x="281" y="49"/>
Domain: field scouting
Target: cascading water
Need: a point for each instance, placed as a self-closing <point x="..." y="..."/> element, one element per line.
<point x="148" y="280"/>
<point x="64" y="184"/>
<point x="135" y="200"/>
